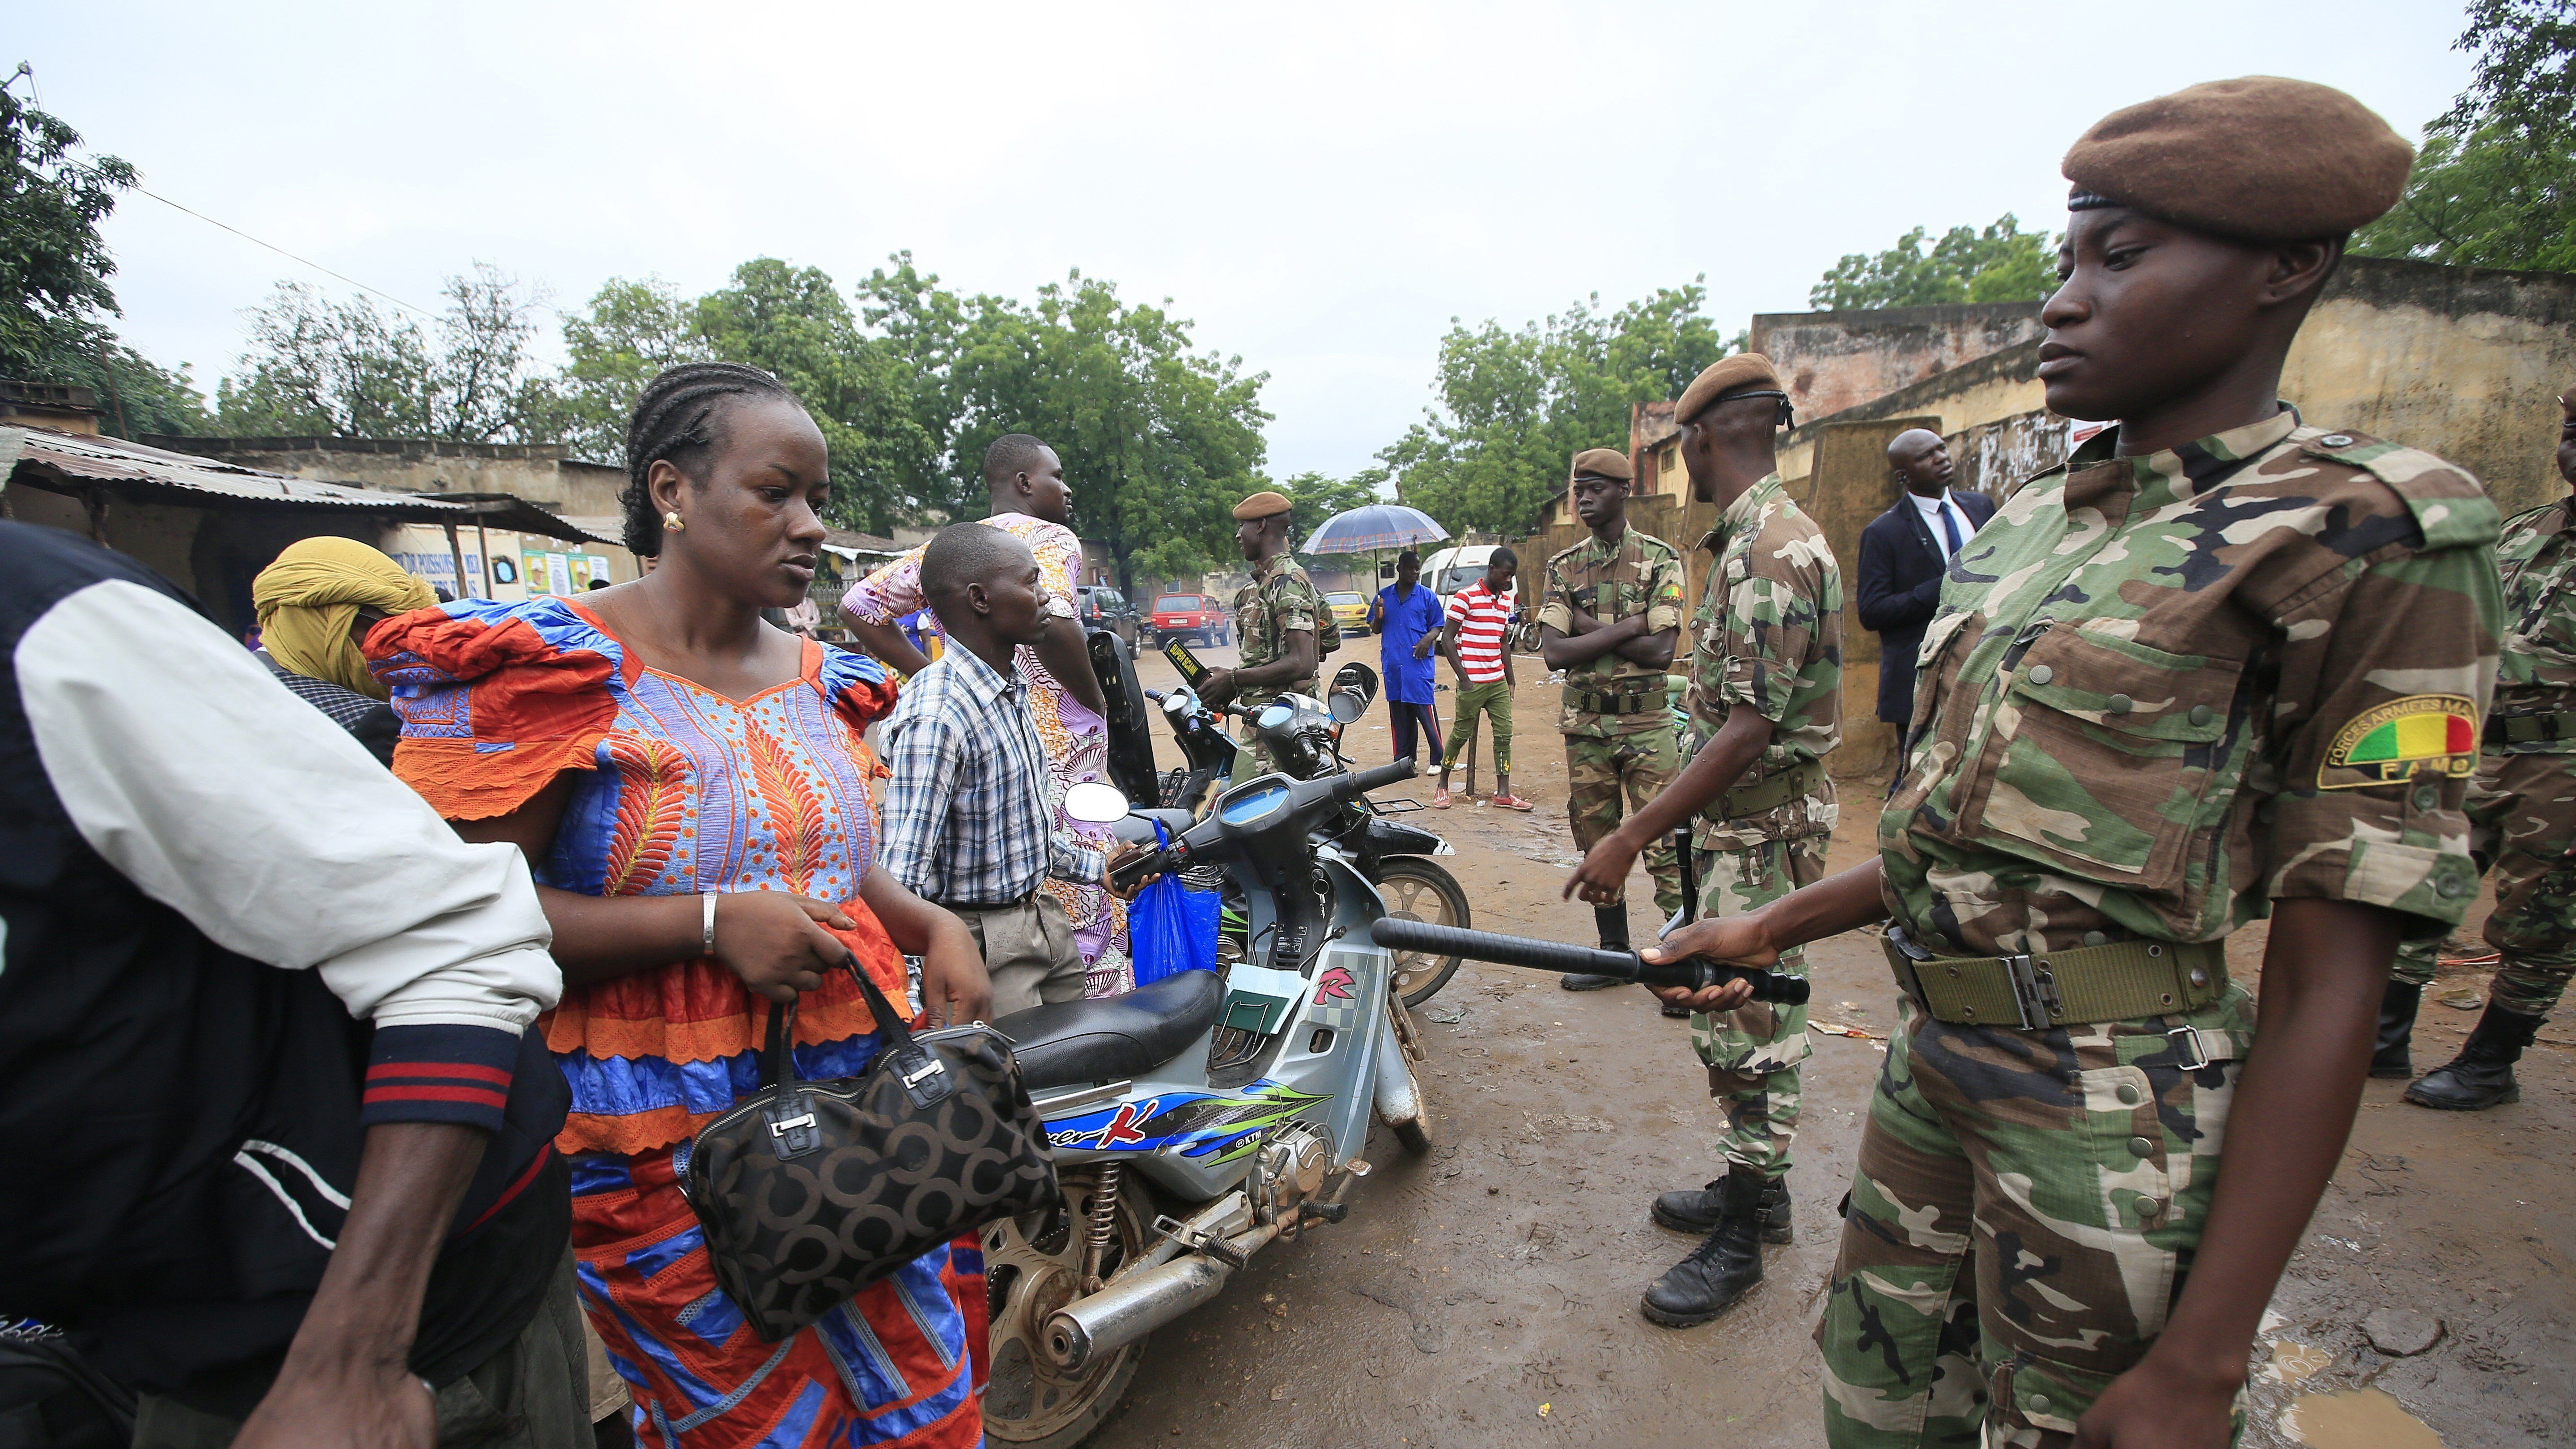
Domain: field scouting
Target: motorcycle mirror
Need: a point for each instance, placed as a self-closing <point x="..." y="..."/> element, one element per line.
<point x="1359" y="679"/>
<point x="1347" y="706"/>
<point x="1093" y="803"/>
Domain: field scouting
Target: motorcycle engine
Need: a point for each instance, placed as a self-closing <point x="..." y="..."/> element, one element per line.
<point x="1289" y="1169"/>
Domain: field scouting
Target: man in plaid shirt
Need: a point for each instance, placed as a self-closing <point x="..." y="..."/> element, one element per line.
<point x="967" y="819"/>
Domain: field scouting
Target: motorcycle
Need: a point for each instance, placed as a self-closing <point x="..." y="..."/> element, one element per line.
<point x="1243" y="1098"/>
<point x="1303" y="737"/>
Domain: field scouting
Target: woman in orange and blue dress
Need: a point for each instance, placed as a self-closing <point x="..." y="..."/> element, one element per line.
<point x="690" y="788"/>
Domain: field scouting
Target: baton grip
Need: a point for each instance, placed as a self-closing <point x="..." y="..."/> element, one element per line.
<point x="1695" y="972"/>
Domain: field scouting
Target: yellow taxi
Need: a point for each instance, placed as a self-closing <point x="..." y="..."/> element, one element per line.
<point x="1350" y="612"/>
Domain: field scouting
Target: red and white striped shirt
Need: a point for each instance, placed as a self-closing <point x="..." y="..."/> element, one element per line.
<point x="1481" y="617"/>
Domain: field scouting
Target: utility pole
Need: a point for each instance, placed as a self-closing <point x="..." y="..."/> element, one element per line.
<point x="113" y="403"/>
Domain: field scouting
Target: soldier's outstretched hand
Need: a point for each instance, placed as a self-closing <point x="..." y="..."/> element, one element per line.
<point x="1604" y="872"/>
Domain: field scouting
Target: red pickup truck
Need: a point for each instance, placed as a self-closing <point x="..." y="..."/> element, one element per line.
<point x="1195" y="617"/>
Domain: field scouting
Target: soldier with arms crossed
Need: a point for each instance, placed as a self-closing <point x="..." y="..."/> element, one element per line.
<point x="2156" y="701"/>
<point x="1608" y="617"/>
<point x="1766" y="704"/>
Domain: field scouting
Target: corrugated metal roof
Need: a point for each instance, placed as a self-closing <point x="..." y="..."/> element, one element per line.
<point x="115" y="461"/>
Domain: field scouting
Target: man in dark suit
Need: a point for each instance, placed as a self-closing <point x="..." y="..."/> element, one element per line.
<point x="1903" y="554"/>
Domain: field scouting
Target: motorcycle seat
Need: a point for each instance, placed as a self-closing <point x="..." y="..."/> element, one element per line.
<point x="1117" y="1036"/>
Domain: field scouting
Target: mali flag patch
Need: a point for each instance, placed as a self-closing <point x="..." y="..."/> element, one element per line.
<point x="2434" y="734"/>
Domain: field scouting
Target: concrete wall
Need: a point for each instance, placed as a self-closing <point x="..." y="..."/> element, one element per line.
<point x="539" y="473"/>
<point x="1835" y="360"/>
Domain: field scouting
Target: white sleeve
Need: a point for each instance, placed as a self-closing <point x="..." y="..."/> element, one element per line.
<point x="235" y="803"/>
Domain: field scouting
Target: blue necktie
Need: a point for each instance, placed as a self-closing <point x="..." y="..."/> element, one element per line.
<point x="1950" y="526"/>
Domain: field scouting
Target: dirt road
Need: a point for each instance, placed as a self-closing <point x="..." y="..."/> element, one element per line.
<point x="1487" y="1294"/>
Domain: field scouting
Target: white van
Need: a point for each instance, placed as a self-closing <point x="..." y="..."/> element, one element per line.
<point x="1452" y="569"/>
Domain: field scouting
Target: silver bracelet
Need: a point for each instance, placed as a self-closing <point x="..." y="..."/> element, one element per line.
<point x="707" y="947"/>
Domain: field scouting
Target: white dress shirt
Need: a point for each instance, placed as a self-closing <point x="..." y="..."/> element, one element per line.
<point x="1932" y="509"/>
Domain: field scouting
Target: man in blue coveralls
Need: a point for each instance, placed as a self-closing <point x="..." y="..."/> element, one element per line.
<point x="1407" y="617"/>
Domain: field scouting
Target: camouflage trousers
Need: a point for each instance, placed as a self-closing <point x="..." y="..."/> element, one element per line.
<point x="2022" y="1216"/>
<point x="2524" y="812"/>
<point x="1752" y="1053"/>
<point x="1598" y="768"/>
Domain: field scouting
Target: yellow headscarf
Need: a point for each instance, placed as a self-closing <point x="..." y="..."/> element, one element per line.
<point x="310" y="596"/>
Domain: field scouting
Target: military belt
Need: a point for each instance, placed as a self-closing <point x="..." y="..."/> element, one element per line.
<point x="1639" y="701"/>
<point x="1771" y="794"/>
<point x="2524" y="729"/>
<point x="2121" y="981"/>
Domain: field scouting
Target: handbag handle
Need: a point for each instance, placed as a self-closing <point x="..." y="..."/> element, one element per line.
<point x="776" y="1066"/>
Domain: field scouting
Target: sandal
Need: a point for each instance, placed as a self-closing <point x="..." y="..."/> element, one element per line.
<point x="1513" y="802"/>
<point x="1440" y="798"/>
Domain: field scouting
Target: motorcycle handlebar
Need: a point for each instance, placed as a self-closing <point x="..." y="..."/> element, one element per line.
<point x="1379" y="778"/>
<point x="1695" y="972"/>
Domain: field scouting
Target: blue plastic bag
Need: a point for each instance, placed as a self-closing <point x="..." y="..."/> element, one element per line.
<point x="1171" y="928"/>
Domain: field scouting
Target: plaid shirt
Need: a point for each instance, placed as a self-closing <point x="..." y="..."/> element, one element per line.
<point x="967" y="819"/>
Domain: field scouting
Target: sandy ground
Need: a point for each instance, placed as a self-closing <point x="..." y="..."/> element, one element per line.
<point x="1487" y="1294"/>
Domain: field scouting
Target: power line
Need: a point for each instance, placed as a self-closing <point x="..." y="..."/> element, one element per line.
<point x="283" y="252"/>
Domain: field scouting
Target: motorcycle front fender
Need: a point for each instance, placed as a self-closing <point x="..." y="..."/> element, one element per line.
<point x="1389" y="837"/>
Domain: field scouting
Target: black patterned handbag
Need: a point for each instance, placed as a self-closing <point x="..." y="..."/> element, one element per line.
<point x="810" y="1191"/>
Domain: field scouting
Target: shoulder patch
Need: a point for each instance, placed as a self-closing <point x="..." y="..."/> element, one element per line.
<point x="2392" y="743"/>
<point x="2450" y="506"/>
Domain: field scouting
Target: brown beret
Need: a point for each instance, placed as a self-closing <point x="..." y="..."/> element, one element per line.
<point x="1604" y="463"/>
<point x="2261" y="158"/>
<point x="1728" y="374"/>
<point x="1261" y="505"/>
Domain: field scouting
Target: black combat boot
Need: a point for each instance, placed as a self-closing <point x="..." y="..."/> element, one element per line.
<point x="1612" y="923"/>
<point x="1717" y="1275"/>
<point x="2396" y="1027"/>
<point x="1696" y="1210"/>
<point x="2481" y="1076"/>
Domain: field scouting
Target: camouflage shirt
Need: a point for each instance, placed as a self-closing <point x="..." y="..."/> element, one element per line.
<point x="2537" y="673"/>
<point x="1769" y="633"/>
<point x="2162" y="692"/>
<point x="1641" y="575"/>
<point x="1279" y="601"/>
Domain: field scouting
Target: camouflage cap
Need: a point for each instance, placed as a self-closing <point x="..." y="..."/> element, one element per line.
<point x="1262" y="505"/>
<point x="1728" y="374"/>
<point x="1603" y="463"/>
<point x="2261" y="158"/>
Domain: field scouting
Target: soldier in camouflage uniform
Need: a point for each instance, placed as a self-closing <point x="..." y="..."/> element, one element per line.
<point x="1274" y="620"/>
<point x="1766" y="707"/>
<point x="2524" y="803"/>
<point x="2178" y="682"/>
<point x="1609" y="615"/>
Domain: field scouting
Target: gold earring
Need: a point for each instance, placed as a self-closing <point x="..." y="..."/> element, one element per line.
<point x="673" y="522"/>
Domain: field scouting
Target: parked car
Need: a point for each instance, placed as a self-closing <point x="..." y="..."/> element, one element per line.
<point x="1199" y="618"/>
<point x="1106" y="608"/>
<point x="1350" y="611"/>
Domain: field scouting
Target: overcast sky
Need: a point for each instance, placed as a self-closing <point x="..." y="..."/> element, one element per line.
<point x="1320" y="187"/>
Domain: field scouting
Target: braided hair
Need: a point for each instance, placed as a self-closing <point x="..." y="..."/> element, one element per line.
<point x="675" y="419"/>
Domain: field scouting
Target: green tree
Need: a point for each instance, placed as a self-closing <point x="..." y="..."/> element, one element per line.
<point x="2495" y="184"/>
<point x="792" y="321"/>
<point x="630" y="332"/>
<point x="1314" y="497"/>
<point x="54" y="265"/>
<point x="1516" y="405"/>
<point x="1159" y="441"/>
<point x="2001" y="263"/>
<point x="54" y="268"/>
<point x="345" y="369"/>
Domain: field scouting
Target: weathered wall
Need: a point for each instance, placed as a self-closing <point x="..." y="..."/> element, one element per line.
<point x="2466" y="362"/>
<point x="1835" y="360"/>
<point x="539" y="473"/>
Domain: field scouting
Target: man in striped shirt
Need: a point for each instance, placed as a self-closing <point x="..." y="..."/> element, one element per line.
<point x="1480" y="618"/>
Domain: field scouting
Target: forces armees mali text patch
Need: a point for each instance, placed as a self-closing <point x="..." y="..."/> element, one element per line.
<point x="2420" y="734"/>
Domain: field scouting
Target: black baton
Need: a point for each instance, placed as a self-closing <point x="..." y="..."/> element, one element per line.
<point x="1695" y="972"/>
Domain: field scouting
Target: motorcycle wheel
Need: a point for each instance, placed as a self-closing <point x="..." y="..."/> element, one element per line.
<point x="1417" y="889"/>
<point x="1032" y="1267"/>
